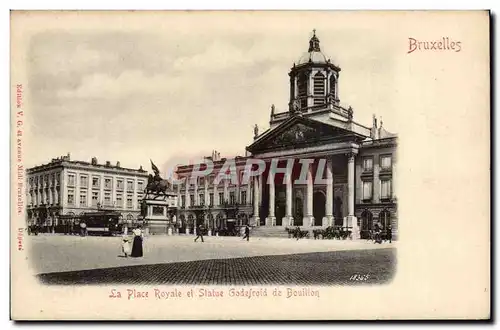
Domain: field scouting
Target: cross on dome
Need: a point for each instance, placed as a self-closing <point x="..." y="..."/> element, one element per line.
<point x="314" y="43"/>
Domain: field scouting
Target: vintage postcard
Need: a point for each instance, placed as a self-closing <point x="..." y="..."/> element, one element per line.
<point x="314" y="165"/>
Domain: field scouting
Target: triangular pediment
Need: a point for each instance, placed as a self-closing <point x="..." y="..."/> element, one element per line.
<point x="301" y="132"/>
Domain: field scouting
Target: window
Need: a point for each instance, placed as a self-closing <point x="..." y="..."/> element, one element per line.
<point x="57" y="179"/>
<point x="140" y="185"/>
<point x="119" y="200"/>
<point x="232" y="198"/>
<point x="95" y="198"/>
<point x="211" y="199"/>
<point x="332" y="85"/>
<point x="368" y="164"/>
<point x="84" y="181"/>
<point x="211" y="178"/>
<point x="367" y="190"/>
<point x="95" y="182"/>
<point x="183" y="201"/>
<point x="71" y="180"/>
<point x="221" y="198"/>
<point x="71" y="197"/>
<point x="108" y="183"/>
<point x="386" y="162"/>
<point x="83" y="198"/>
<point x="319" y="88"/>
<point x="52" y="179"/>
<point x="243" y="197"/>
<point x="202" y="181"/>
<point x="202" y="199"/>
<point x="119" y="184"/>
<point x="130" y="185"/>
<point x="385" y="186"/>
<point x="129" y="201"/>
<point x="107" y="198"/>
<point x="191" y="200"/>
<point x="302" y="85"/>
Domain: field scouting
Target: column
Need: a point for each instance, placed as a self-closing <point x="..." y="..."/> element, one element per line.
<point x="328" y="218"/>
<point x="226" y="193"/>
<point x="196" y="197"/>
<point x="351" y="219"/>
<point x="256" y="199"/>
<point x="271" y="219"/>
<point x="288" y="219"/>
<point x="205" y="193"/>
<point x="308" y="218"/>
<point x="310" y="92"/>
<point x="186" y="193"/>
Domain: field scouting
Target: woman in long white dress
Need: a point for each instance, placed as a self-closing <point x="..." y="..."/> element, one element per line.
<point x="137" y="244"/>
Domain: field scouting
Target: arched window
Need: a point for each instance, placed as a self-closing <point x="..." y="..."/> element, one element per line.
<point x="319" y="84"/>
<point x="302" y="86"/>
<point x="219" y="220"/>
<point x="190" y="221"/>
<point x="333" y="86"/>
<point x="385" y="218"/>
<point x="319" y="89"/>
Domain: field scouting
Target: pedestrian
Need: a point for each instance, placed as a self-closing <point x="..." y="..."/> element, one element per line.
<point x="83" y="228"/>
<point x="125" y="246"/>
<point x="137" y="243"/>
<point x="199" y="233"/>
<point x="247" y="233"/>
<point x="378" y="238"/>
<point x="389" y="233"/>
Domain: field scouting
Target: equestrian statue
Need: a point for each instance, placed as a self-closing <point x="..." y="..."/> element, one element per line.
<point x="156" y="184"/>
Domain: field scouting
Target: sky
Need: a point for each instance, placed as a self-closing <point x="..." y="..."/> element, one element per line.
<point x="173" y="94"/>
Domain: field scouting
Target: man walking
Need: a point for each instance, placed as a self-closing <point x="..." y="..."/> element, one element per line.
<point x="247" y="233"/>
<point x="199" y="233"/>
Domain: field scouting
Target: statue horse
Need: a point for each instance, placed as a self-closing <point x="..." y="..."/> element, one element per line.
<point x="158" y="187"/>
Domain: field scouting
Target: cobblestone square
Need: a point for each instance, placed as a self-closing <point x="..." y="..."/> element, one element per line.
<point x="177" y="260"/>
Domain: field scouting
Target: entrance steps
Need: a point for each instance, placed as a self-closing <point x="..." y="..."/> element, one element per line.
<point x="269" y="231"/>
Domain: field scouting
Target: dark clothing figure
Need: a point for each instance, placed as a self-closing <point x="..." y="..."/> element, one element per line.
<point x="199" y="234"/>
<point x="378" y="237"/>
<point x="247" y="233"/>
<point x="389" y="233"/>
<point x="137" y="244"/>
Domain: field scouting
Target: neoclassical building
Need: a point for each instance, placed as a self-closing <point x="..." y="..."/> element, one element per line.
<point x="356" y="188"/>
<point x="64" y="188"/>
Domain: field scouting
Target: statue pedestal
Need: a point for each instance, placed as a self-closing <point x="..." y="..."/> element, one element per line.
<point x="156" y="209"/>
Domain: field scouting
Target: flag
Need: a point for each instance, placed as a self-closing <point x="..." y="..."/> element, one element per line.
<point x="155" y="169"/>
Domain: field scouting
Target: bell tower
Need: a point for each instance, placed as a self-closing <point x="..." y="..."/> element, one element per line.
<point x="313" y="81"/>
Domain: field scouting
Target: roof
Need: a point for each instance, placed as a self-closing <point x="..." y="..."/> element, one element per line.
<point x="314" y="57"/>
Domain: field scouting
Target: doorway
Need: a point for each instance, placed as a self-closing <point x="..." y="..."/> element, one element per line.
<point x="319" y="200"/>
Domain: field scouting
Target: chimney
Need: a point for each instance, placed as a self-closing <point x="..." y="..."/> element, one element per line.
<point x="94" y="161"/>
<point x="118" y="164"/>
<point x="68" y="156"/>
<point x="108" y="163"/>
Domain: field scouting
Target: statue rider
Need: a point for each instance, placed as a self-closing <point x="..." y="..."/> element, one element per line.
<point x="157" y="178"/>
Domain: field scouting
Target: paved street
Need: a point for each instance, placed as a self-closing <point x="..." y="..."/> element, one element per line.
<point x="220" y="260"/>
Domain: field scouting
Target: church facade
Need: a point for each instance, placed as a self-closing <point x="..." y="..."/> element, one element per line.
<point x="339" y="172"/>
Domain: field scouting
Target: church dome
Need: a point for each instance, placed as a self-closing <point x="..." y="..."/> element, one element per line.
<point x="315" y="57"/>
<point x="314" y="53"/>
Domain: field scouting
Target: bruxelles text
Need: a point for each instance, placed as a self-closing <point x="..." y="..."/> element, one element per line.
<point x="255" y="167"/>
